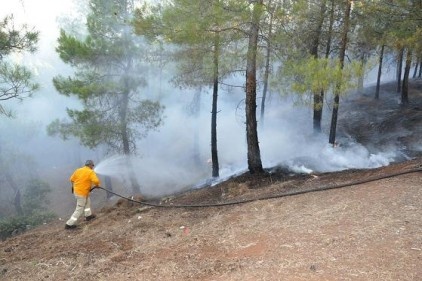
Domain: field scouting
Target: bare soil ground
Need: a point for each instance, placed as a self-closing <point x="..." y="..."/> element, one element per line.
<point x="369" y="229"/>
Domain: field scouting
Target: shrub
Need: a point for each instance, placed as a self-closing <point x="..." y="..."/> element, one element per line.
<point x="16" y="225"/>
<point x="35" y="197"/>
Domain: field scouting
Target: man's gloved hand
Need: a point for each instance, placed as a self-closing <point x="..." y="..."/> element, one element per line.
<point x="72" y="189"/>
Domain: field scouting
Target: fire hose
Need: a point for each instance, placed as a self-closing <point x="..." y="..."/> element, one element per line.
<point x="286" y="194"/>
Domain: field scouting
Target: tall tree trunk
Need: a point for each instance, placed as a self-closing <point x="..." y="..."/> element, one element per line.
<point x="17" y="202"/>
<point x="318" y="105"/>
<point x="124" y="107"/>
<point x="17" y="196"/>
<point x="420" y="69"/>
<point x="399" y="69"/>
<point x="415" y="72"/>
<point x="330" y="30"/>
<point x="196" y="110"/>
<point x="136" y="188"/>
<point x="318" y="100"/>
<point x="123" y="123"/>
<point x="254" y="154"/>
<point x="267" y="64"/>
<point x="405" y="90"/>
<point x="214" y="154"/>
<point x="343" y="46"/>
<point x="334" y="117"/>
<point x="381" y="57"/>
<point x="108" y="185"/>
<point x="361" y="77"/>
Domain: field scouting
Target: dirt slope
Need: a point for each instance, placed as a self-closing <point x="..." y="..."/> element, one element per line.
<point x="370" y="231"/>
<point x="366" y="231"/>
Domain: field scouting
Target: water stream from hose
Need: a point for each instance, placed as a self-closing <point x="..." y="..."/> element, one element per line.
<point x="114" y="166"/>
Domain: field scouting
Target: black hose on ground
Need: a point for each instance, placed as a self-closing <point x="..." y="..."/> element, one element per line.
<point x="293" y="193"/>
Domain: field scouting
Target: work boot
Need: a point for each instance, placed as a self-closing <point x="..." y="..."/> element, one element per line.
<point x="91" y="217"/>
<point x="69" y="226"/>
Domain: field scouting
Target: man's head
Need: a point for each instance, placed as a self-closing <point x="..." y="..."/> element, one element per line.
<point x="89" y="163"/>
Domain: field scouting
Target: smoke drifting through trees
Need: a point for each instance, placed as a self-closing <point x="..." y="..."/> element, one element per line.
<point x="167" y="161"/>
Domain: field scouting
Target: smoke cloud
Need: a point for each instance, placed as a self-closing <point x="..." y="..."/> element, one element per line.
<point x="176" y="157"/>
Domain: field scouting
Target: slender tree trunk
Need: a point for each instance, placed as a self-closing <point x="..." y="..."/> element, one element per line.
<point x="334" y="117"/>
<point x="267" y="66"/>
<point x="318" y="30"/>
<point x="343" y="47"/>
<point x="17" y="202"/>
<point x="17" y="196"/>
<point x="405" y="90"/>
<point x="214" y="153"/>
<point x="361" y="77"/>
<point x="124" y="107"/>
<point x="415" y="72"/>
<point x="108" y="185"/>
<point x="420" y="70"/>
<point x="381" y="57"/>
<point x="196" y="110"/>
<point x="399" y="69"/>
<point x="318" y="105"/>
<point x="330" y="30"/>
<point x="318" y="100"/>
<point x="254" y="154"/>
<point x="123" y="124"/>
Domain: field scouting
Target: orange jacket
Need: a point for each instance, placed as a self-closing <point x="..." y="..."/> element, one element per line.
<point x="83" y="179"/>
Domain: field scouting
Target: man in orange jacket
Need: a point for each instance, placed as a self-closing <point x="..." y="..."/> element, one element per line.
<point x="83" y="179"/>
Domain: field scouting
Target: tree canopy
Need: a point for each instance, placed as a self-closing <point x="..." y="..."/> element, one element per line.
<point x="108" y="80"/>
<point x="16" y="81"/>
<point x="319" y="50"/>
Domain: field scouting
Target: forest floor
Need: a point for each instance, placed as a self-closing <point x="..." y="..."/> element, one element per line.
<point x="348" y="225"/>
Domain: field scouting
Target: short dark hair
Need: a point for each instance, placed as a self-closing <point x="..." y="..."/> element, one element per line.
<point x="89" y="163"/>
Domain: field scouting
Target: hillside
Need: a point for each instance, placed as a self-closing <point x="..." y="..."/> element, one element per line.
<point x="369" y="231"/>
<point x="352" y="225"/>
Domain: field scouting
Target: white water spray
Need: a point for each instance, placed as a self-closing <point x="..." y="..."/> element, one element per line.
<point x="114" y="166"/>
<point x="156" y="177"/>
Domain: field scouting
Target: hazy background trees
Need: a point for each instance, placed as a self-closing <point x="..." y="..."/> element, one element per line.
<point x="16" y="83"/>
<point x="16" y="80"/>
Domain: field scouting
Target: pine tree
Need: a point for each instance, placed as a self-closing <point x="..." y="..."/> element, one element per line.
<point x="16" y="81"/>
<point x="108" y="80"/>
